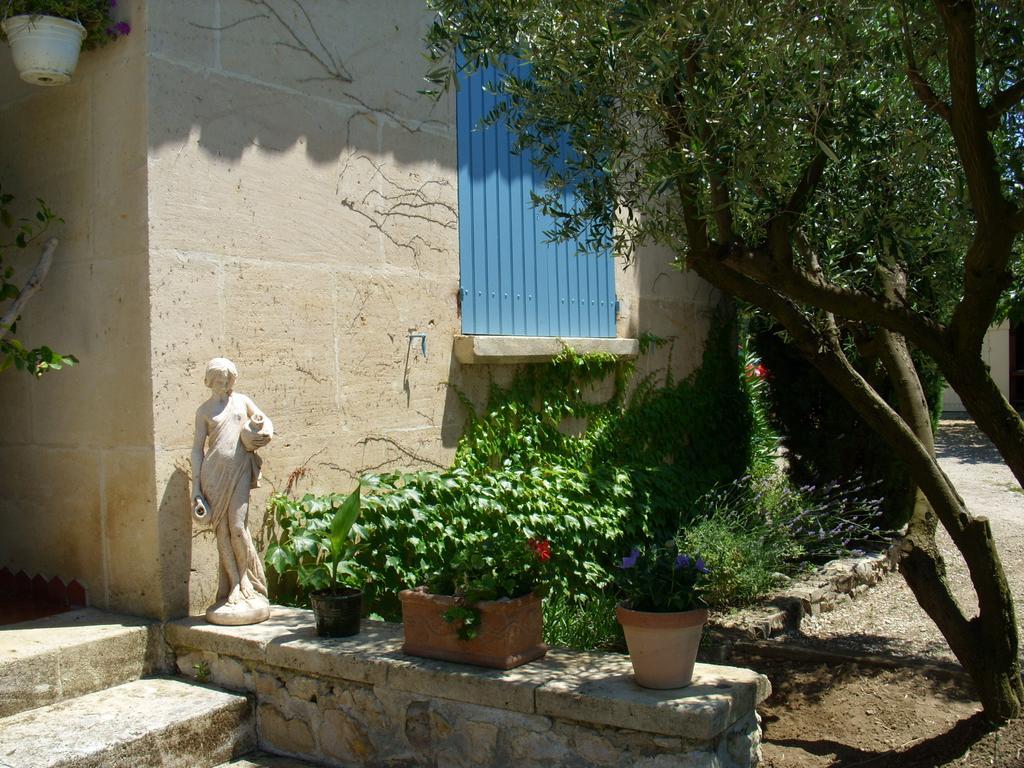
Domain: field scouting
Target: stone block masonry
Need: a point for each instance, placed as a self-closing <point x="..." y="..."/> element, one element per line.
<point x="360" y="701"/>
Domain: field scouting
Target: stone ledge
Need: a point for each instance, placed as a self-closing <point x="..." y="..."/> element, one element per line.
<point x="506" y="350"/>
<point x="588" y="687"/>
<point x="74" y="653"/>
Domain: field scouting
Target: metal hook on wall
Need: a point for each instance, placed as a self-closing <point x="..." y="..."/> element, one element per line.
<point x="423" y="342"/>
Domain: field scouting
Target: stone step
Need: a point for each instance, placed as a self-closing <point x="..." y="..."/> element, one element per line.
<point x="264" y="760"/>
<point x="142" y="724"/>
<point x="69" y="654"/>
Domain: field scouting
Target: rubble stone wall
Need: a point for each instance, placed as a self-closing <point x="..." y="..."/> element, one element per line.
<point x="360" y="701"/>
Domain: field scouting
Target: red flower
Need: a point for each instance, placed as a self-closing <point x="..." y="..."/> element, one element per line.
<point x="757" y="371"/>
<point x="541" y="548"/>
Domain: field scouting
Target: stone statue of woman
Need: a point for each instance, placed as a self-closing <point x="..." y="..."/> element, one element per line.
<point x="230" y="427"/>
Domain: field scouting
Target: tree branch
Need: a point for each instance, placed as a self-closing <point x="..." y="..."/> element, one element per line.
<point x="783" y="222"/>
<point x="922" y="89"/>
<point x="1002" y="102"/>
<point x="817" y="292"/>
<point x="809" y="181"/>
<point x="986" y="263"/>
<point x="35" y="280"/>
<point x="967" y="122"/>
<point x="721" y="205"/>
<point x="675" y="130"/>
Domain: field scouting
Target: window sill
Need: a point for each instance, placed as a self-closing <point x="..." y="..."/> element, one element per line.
<point x="508" y="350"/>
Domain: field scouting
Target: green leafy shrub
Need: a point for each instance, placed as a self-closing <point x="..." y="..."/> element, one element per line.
<point x="417" y="525"/>
<point x="744" y="563"/>
<point x="316" y="540"/>
<point x="583" y="621"/>
<point x="756" y="528"/>
<point x="680" y="440"/>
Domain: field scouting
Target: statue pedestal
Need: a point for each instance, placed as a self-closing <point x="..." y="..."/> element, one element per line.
<point x="245" y="612"/>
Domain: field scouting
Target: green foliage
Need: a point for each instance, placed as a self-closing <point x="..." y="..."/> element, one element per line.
<point x="744" y="564"/>
<point x="94" y="15"/>
<point x="520" y="475"/>
<point x="680" y="440"/>
<point x="757" y="528"/>
<point x="583" y="621"/>
<point x="764" y="440"/>
<point x="825" y="440"/>
<point x="316" y="539"/>
<point x="592" y="492"/>
<point x="24" y="232"/>
<point x="431" y="528"/>
<point x="661" y="578"/>
<point x="497" y="568"/>
<point x="202" y="670"/>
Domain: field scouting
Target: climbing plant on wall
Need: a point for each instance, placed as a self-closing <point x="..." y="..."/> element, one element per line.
<point x="575" y="452"/>
<point x="24" y="234"/>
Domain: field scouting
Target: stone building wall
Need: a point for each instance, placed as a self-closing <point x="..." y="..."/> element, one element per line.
<point x="995" y="352"/>
<point x="77" y="487"/>
<point x="258" y="179"/>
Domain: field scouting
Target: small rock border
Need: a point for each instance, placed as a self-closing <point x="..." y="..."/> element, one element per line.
<point x="835" y="583"/>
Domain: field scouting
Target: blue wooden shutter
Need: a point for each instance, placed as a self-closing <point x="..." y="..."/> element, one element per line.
<point x="513" y="282"/>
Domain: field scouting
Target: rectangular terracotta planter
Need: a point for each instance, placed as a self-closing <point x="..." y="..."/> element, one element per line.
<point x="510" y="631"/>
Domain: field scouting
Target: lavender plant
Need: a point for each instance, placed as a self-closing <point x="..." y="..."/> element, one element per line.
<point x="823" y="522"/>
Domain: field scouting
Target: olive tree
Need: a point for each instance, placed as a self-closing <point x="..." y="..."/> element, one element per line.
<point x="853" y="168"/>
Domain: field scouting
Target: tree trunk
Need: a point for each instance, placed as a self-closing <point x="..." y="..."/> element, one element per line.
<point x="986" y="645"/>
<point x="913" y="407"/>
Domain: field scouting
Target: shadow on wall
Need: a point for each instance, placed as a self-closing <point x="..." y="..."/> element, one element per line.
<point x="175" y="527"/>
<point x="469" y="386"/>
<point x="267" y="75"/>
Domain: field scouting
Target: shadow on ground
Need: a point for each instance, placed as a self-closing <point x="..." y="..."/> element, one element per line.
<point x="958" y="438"/>
<point x="895" y="649"/>
<point x="942" y="750"/>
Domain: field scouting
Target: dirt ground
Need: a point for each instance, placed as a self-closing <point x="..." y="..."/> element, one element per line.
<point x="853" y="715"/>
<point x="904" y="714"/>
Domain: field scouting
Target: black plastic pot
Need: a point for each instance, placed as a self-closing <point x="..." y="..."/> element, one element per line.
<point x="337" y="611"/>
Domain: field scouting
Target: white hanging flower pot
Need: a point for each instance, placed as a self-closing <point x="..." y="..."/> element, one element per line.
<point x="45" y="48"/>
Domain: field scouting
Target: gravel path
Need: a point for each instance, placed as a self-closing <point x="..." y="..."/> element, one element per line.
<point x="887" y="619"/>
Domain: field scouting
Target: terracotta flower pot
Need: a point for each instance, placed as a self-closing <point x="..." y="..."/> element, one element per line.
<point x="510" y="630"/>
<point x="662" y="646"/>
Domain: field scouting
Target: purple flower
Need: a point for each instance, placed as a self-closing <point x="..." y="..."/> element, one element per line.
<point x="121" y="28"/>
<point x="683" y="561"/>
<point x="701" y="566"/>
<point x="113" y="3"/>
<point x="630" y="560"/>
